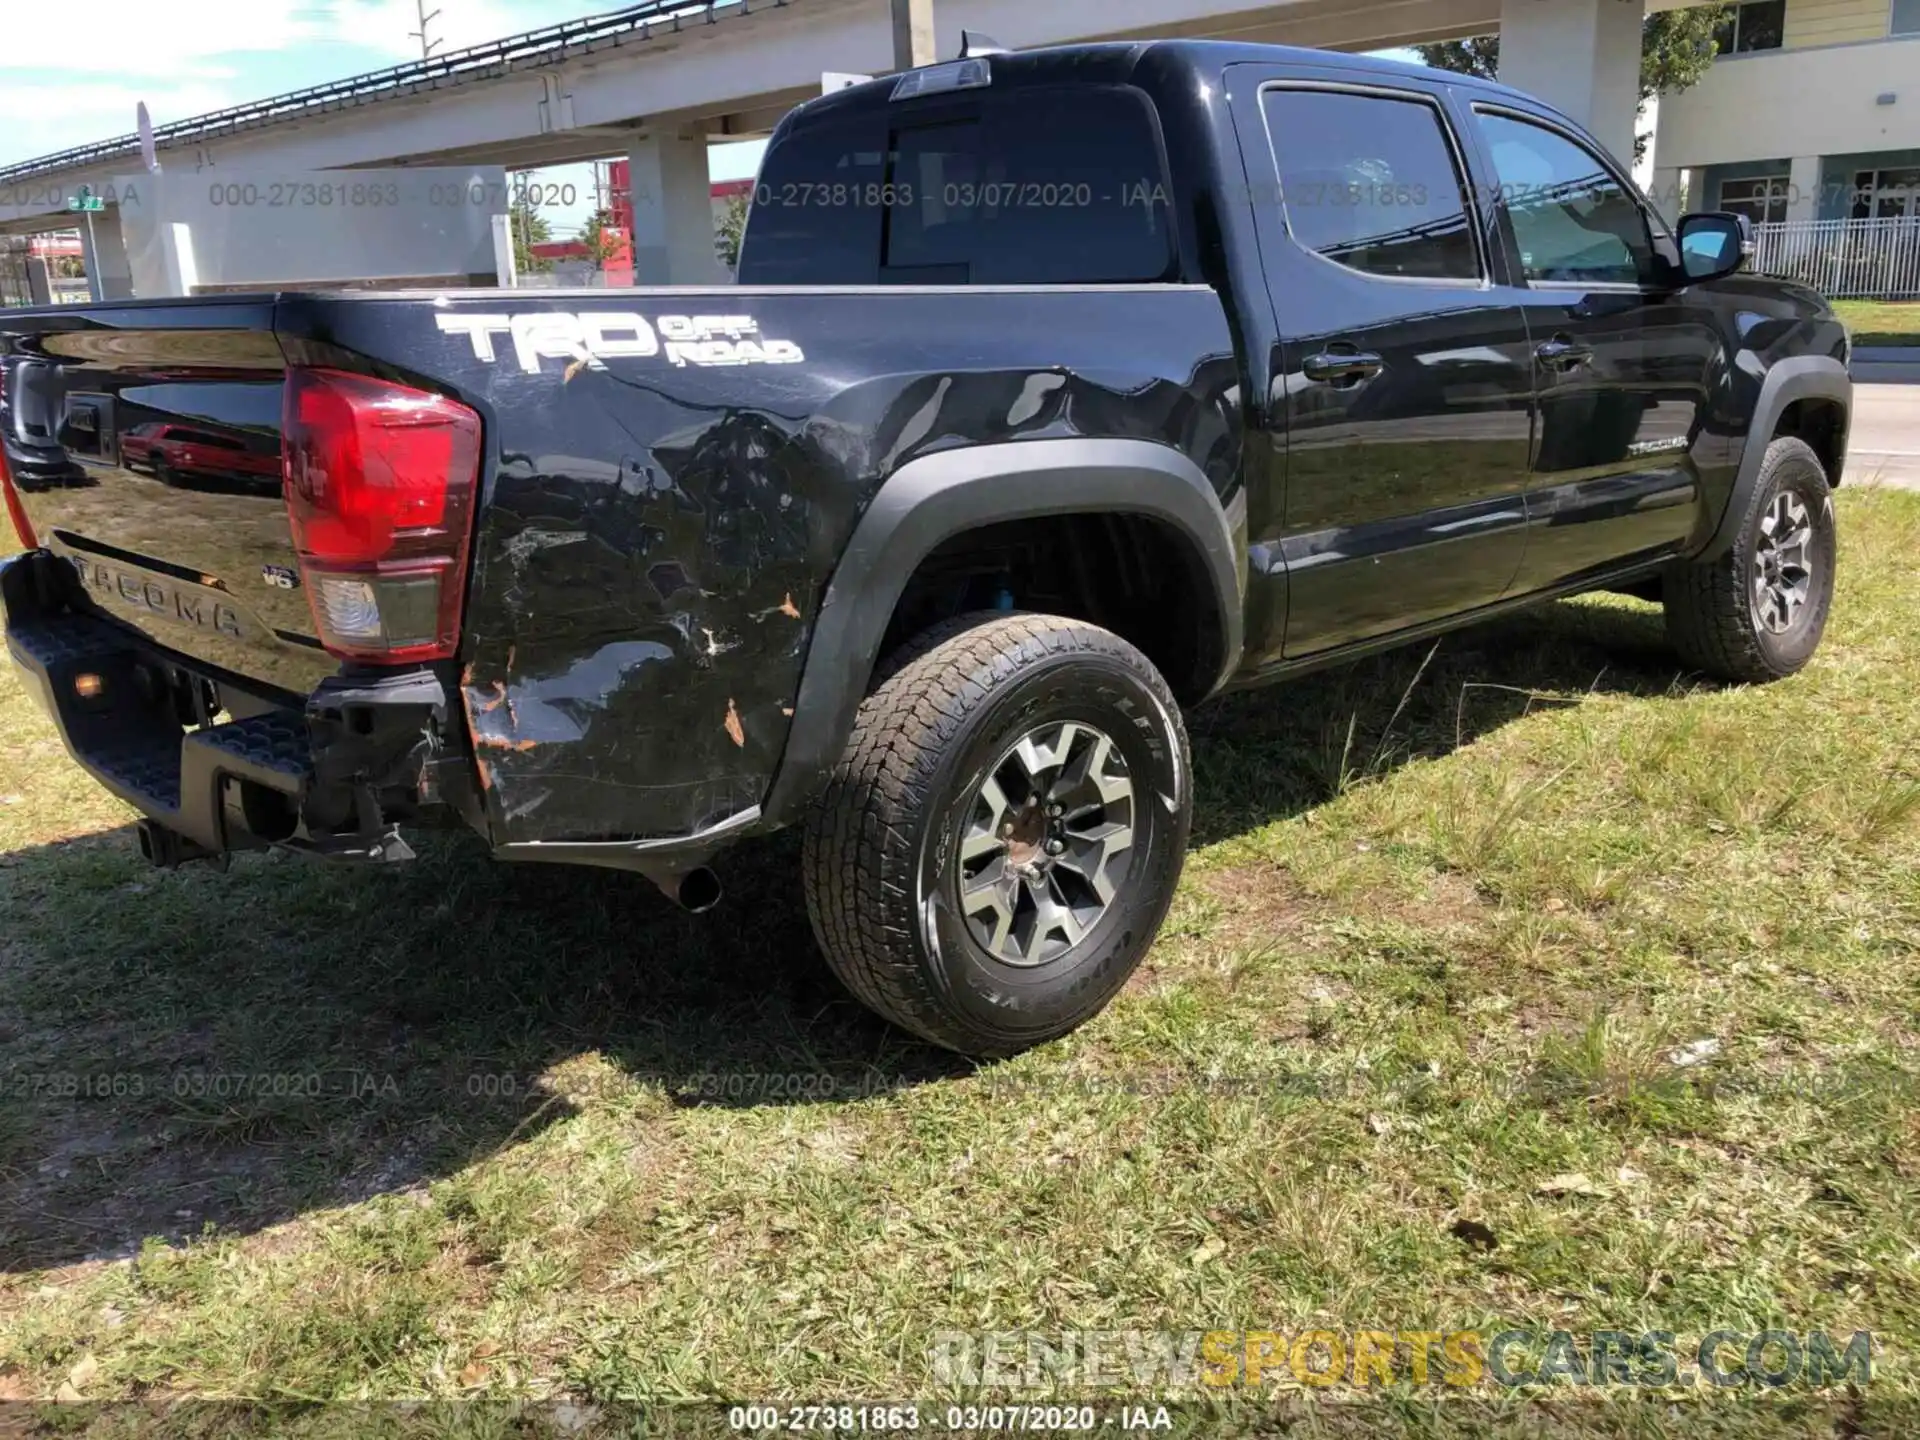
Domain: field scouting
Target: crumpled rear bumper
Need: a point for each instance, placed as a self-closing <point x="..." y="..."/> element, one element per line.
<point x="218" y="764"/>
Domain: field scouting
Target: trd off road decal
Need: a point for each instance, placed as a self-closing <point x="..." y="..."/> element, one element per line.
<point x="591" y="338"/>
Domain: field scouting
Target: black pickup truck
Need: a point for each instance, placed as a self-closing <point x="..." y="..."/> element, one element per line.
<point x="1060" y="390"/>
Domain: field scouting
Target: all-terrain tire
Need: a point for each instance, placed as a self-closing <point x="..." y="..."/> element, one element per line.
<point x="1713" y="617"/>
<point x="883" y="853"/>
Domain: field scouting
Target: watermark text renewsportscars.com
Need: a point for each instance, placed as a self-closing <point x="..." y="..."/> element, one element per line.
<point x="1018" y="1362"/>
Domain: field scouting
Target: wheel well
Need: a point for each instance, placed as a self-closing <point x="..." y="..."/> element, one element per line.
<point x="1129" y="574"/>
<point x="1823" y="425"/>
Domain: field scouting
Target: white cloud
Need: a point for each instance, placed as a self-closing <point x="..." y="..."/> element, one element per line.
<point x="144" y="37"/>
<point x="24" y="104"/>
<point x="182" y="59"/>
<point x="40" y="119"/>
<point x="174" y="40"/>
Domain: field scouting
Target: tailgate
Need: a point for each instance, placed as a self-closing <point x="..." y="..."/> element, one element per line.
<point x="145" y="444"/>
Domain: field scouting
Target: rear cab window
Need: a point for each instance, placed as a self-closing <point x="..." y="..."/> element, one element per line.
<point x="1030" y="185"/>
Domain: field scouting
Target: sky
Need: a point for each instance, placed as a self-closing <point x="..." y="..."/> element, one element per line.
<point x="72" y="73"/>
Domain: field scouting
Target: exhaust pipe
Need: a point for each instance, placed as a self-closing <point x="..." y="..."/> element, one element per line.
<point x="165" y="849"/>
<point x="699" y="891"/>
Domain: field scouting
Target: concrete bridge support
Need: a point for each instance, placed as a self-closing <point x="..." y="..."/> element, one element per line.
<point x="1580" y="55"/>
<point x="914" y="39"/>
<point x="673" y="232"/>
<point x="108" y="273"/>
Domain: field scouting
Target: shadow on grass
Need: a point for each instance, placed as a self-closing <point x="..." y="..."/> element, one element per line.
<point x="196" y="1048"/>
<point x="1269" y="754"/>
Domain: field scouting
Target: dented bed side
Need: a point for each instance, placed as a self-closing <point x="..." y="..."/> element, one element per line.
<point x="673" y="476"/>
<point x="670" y="480"/>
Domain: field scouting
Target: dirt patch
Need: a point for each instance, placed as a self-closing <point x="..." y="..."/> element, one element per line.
<point x="1259" y="903"/>
<point x="1265" y="902"/>
<point x="1452" y="902"/>
<point x="99" y="1191"/>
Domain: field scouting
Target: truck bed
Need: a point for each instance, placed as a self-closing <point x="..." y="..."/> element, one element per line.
<point x="669" y="478"/>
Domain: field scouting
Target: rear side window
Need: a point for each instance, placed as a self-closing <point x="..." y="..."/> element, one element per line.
<point x="817" y="209"/>
<point x="1036" y="186"/>
<point x="1371" y="182"/>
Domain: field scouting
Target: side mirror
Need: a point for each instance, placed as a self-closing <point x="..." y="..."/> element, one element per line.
<point x="1713" y="244"/>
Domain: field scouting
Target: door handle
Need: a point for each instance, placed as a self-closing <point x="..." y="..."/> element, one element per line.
<point x="1341" y="367"/>
<point x="1562" y="353"/>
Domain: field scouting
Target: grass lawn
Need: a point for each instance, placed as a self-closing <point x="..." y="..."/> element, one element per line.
<point x="1881" y="322"/>
<point x="1534" y="984"/>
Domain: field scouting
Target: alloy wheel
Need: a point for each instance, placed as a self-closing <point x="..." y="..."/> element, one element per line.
<point x="1783" y="564"/>
<point x="1046" y="843"/>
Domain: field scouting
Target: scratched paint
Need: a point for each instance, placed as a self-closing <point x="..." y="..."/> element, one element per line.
<point x="655" y="544"/>
<point x="524" y="711"/>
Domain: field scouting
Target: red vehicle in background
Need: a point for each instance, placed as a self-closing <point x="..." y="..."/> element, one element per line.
<point x="192" y="452"/>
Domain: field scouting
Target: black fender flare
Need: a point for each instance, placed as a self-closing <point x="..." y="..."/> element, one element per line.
<point x="1796" y="377"/>
<point x="936" y="497"/>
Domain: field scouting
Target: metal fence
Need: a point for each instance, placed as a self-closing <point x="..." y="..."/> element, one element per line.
<point x="1844" y="259"/>
<point x="15" y="289"/>
<point x="21" y="272"/>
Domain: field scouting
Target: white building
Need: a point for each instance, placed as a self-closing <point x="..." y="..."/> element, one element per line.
<point x="1811" y="112"/>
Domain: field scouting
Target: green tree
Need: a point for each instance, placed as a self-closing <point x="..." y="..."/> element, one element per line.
<point x="530" y="228"/>
<point x="1677" y="47"/>
<point x="599" y="237"/>
<point x="732" y="231"/>
<point x="1479" y="56"/>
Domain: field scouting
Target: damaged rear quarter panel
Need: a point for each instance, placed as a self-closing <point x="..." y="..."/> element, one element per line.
<point x="656" y="538"/>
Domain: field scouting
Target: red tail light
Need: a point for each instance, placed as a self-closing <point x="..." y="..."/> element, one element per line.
<point x="380" y="481"/>
<point x="17" y="512"/>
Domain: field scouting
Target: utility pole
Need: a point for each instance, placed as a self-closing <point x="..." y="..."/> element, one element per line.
<point x="426" y="46"/>
<point x="913" y="37"/>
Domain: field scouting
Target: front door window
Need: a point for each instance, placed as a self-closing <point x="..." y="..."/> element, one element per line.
<point x="1574" y="222"/>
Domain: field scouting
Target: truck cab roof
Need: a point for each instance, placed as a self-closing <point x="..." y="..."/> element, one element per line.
<point x="1117" y="61"/>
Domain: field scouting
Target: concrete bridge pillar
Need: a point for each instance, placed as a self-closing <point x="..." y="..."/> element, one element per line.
<point x="109" y="275"/>
<point x="1582" y="56"/>
<point x="673" y="226"/>
<point x="913" y="34"/>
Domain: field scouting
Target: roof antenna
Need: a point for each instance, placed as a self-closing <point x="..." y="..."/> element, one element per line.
<point x="973" y="45"/>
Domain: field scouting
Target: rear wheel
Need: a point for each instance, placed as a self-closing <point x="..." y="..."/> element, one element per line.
<point x="1758" y="613"/>
<point x="999" y="845"/>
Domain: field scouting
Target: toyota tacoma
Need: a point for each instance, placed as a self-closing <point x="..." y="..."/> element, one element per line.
<point x="1059" y="391"/>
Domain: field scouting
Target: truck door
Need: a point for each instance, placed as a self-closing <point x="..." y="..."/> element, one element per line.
<point x="1623" y="362"/>
<point x="1405" y="386"/>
